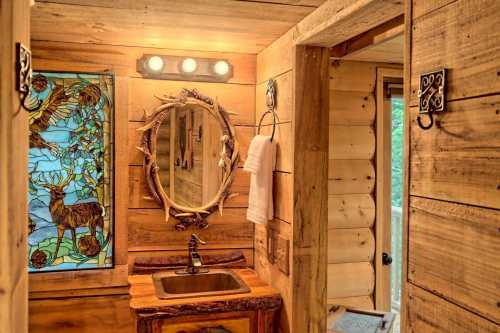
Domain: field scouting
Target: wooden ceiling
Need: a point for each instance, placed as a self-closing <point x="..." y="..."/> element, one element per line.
<point x="207" y="25"/>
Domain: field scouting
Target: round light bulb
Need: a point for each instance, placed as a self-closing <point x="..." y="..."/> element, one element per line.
<point x="189" y="65"/>
<point x="155" y="63"/>
<point x="221" y="67"/>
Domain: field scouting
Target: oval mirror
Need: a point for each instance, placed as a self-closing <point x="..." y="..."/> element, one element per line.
<point x="191" y="156"/>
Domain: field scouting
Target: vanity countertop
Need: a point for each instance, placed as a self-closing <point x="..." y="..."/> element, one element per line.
<point x="144" y="302"/>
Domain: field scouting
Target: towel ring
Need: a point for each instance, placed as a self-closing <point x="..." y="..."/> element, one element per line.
<point x="271" y="106"/>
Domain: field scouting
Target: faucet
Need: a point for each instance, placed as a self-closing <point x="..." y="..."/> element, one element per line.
<point x="195" y="262"/>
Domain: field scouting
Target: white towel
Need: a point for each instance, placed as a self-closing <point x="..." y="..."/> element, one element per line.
<point x="261" y="161"/>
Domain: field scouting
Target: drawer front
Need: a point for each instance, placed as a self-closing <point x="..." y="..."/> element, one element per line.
<point x="234" y="325"/>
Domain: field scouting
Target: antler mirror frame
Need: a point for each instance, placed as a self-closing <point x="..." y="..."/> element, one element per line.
<point x="228" y="162"/>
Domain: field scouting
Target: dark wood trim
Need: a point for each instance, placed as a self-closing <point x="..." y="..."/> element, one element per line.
<point x="377" y="35"/>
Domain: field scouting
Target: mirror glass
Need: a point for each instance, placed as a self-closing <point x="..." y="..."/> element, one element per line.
<point x="188" y="153"/>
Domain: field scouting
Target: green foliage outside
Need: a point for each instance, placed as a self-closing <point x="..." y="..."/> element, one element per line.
<point x="397" y="151"/>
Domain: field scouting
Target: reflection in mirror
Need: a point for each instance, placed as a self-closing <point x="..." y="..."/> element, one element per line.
<point x="188" y="155"/>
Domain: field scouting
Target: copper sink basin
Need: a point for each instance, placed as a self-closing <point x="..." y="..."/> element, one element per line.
<point x="169" y="285"/>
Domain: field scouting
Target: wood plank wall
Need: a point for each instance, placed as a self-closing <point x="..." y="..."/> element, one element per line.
<point x="351" y="183"/>
<point x="14" y="27"/>
<point x="276" y="62"/>
<point x="301" y="74"/>
<point x="453" y="247"/>
<point x="148" y="234"/>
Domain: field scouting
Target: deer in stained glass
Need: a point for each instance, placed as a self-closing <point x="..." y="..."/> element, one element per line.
<point x="89" y="214"/>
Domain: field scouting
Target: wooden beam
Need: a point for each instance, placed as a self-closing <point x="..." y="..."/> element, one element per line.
<point x="376" y="36"/>
<point x="339" y="20"/>
<point x="310" y="197"/>
<point x="14" y="27"/>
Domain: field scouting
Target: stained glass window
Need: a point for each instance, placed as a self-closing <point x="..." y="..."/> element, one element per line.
<point x="70" y="171"/>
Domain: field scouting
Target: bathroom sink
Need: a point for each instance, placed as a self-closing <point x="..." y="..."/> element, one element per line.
<point x="169" y="285"/>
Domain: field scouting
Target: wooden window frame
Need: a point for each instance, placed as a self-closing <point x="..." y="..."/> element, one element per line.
<point x="382" y="296"/>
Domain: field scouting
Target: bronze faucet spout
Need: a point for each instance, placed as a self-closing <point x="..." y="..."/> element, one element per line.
<point x="195" y="261"/>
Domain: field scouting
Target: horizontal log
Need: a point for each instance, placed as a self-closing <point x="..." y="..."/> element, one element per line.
<point x="350" y="279"/>
<point x="463" y="44"/>
<point x="459" y="160"/>
<point x="453" y="250"/>
<point x="351" y="142"/>
<point x="352" y="108"/>
<point x="132" y="255"/>
<point x="148" y="231"/>
<point x="351" y="211"/>
<point x="350" y="245"/>
<point x="351" y="177"/>
<point x="353" y="76"/>
<point x="432" y="314"/>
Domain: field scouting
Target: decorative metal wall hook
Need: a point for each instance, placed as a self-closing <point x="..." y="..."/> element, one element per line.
<point x="431" y="122"/>
<point x="23" y="76"/>
<point x="431" y="95"/>
<point x="271" y="106"/>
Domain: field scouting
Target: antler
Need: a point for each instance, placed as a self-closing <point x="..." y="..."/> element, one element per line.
<point x="40" y="182"/>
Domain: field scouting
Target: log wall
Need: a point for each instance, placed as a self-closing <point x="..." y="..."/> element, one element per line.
<point x="351" y="184"/>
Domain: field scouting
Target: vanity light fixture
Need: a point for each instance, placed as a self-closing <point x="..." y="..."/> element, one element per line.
<point x="189" y="65"/>
<point x="221" y="67"/>
<point x="165" y="67"/>
<point x="155" y="64"/>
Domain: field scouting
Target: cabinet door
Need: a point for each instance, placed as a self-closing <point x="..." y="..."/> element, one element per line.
<point x="234" y="325"/>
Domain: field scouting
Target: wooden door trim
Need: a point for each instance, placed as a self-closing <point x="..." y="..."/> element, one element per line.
<point x="383" y="190"/>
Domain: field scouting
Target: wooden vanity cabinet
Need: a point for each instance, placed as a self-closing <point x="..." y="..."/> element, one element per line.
<point x="256" y="311"/>
<point x="237" y="322"/>
<point x="261" y="321"/>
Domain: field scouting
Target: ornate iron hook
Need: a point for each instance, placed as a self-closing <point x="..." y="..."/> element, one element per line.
<point x="431" y="95"/>
<point x="24" y="96"/>
<point x="426" y="127"/>
<point x="23" y="76"/>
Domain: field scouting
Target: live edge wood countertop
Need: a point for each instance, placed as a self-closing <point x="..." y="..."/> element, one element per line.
<point x="144" y="303"/>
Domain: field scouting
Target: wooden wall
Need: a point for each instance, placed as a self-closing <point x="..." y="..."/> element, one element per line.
<point x="276" y="62"/>
<point x="301" y="75"/>
<point x="453" y="273"/>
<point x="148" y="234"/>
<point x="14" y="27"/>
<point x="351" y="183"/>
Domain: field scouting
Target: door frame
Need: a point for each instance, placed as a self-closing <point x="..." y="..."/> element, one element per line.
<point x="383" y="188"/>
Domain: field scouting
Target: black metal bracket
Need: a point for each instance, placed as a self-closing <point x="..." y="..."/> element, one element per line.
<point x="431" y="95"/>
<point x="23" y="76"/>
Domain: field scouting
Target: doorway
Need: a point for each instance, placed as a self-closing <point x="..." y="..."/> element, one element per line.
<point x="389" y="226"/>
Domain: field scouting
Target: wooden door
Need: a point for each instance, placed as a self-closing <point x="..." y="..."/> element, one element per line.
<point x="14" y="27"/>
<point x="453" y="204"/>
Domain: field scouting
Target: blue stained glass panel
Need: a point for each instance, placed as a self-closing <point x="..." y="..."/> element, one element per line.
<point x="70" y="171"/>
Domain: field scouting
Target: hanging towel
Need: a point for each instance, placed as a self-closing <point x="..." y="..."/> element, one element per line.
<point x="260" y="163"/>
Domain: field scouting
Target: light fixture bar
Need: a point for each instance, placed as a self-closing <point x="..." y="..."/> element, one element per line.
<point x="166" y="67"/>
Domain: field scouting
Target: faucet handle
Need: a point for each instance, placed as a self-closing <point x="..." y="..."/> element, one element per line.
<point x="196" y="239"/>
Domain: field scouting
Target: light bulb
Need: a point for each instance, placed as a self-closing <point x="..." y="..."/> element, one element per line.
<point x="189" y="65"/>
<point x="221" y="67"/>
<point x="155" y="63"/>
